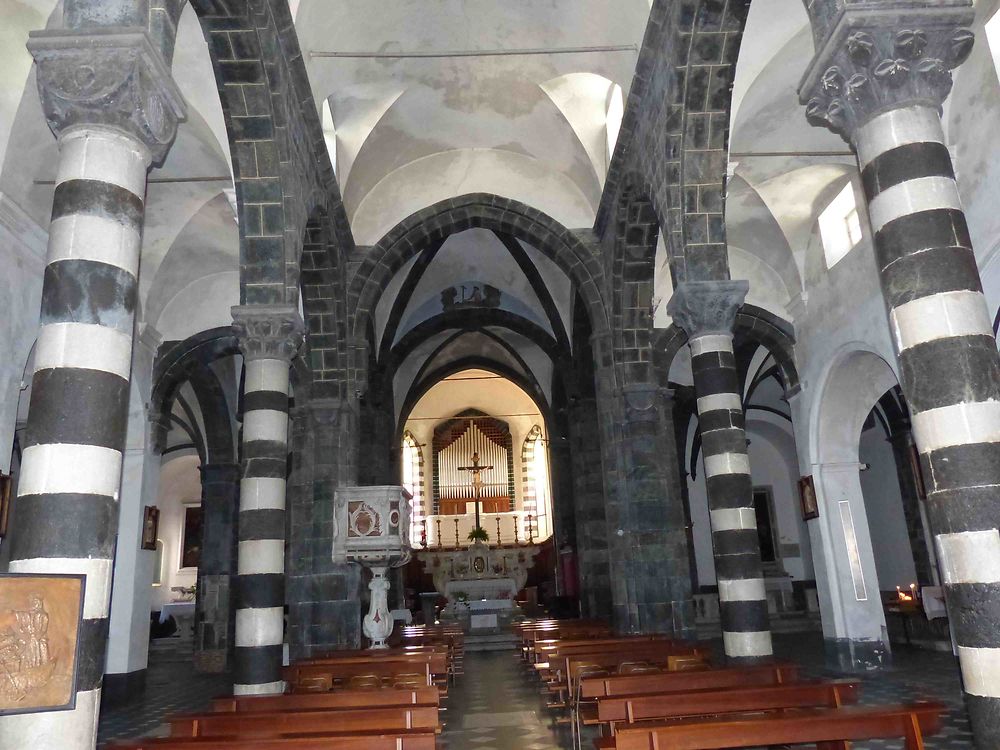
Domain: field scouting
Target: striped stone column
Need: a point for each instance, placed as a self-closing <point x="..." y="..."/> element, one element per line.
<point x="706" y="311"/>
<point x="269" y="336"/>
<point x="66" y="512"/>
<point x="940" y="323"/>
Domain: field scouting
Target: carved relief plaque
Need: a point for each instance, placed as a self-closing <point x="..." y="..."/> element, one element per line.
<point x="39" y="634"/>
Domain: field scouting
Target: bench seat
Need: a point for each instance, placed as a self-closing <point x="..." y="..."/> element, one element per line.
<point x="826" y="727"/>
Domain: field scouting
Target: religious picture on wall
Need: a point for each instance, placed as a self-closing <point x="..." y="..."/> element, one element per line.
<point x="763" y="505"/>
<point x="6" y="488"/>
<point x="191" y="537"/>
<point x="150" y="524"/>
<point x="918" y="474"/>
<point x="39" y="634"/>
<point x="807" y="495"/>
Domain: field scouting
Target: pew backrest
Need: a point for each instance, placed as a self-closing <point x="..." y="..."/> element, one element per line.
<point x="729" y="700"/>
<point x="272" y="723"/>
<point x="703" y="679"/>
<point x="795" y="726"/>
<point x="425" y="696"/>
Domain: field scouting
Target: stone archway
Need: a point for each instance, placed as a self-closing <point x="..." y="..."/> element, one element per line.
<point x="843" y="557"/>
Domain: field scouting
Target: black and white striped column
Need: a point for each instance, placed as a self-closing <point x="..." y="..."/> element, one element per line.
<point x="950" y="372"/>
<point x="66" y="512"/>
<point x="269" y="338"/>
<point x="706" y="311"/>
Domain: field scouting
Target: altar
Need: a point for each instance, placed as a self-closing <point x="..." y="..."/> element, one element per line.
<point x="481" y="583"/>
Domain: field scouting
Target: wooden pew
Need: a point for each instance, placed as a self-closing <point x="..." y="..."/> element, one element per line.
<point x="542" y="651"/>
<point x="827" y="728"/>
<point x="612" y="711"/>
<point x="412" y="740"/>
<point x="427" y="696"/>
<point x="340" y="670"/>
<point x="671" y="682"/>
<point x="657" y="654"/>
<point x="281" y="722"/>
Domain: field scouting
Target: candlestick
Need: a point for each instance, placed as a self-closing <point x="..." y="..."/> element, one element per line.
<point x="531" y="531"/>
<point x="456" y="532"/>
<point x="439" y="531"/>
<point x="498" y="531"/>
<point x="517" y="539"/>
<point x="423" y="534"/>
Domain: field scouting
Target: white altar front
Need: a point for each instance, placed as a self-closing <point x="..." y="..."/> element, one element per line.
<point x="481" y="583"/>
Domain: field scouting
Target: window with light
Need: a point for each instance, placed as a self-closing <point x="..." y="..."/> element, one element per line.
<point x="840" y="226"/>
<point x="413" y="482"/>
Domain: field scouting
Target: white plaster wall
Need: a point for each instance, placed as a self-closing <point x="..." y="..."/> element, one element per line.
<point x="22" y="258"/>
<point x="180" y="485"/>
<point x="884" y="508"/>
<point x="128" y="635"/>
<point x="971" y="115"/>
<point x="437" y="177"/>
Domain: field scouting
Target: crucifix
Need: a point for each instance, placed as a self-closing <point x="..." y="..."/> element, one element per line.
<point x="477" y="480"/>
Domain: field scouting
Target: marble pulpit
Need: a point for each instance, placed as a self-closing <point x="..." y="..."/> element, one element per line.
<point x="480" y="582"/>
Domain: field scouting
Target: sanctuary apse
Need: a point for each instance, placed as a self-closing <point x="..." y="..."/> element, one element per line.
<point x="666" y="327"/>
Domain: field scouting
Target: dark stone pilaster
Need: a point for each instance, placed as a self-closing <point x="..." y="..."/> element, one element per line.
<point x="215" y="618"/>
<point x="590" y="522"/>
<point x="324" y="597"/>
<point x="909" y="490"/>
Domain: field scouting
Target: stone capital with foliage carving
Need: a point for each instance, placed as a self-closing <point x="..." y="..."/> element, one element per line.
<point x="109" y="77"/>
<point x="268" y="331"/>
<point x="706" y="308"/>
<point x="874" y="61"/>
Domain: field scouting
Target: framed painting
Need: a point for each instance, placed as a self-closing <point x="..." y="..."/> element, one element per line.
<point x="807" y="496"/>
<point x="6" y="488"/>
<point x="39" y="641"/>
<point x="150" y="525"/>
<point x="918" y="472"/>
<point x="191" y="537"/>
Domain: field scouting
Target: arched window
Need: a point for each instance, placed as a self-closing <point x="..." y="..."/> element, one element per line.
<point x="413" y="481"/>
<point x="537" y="489"/>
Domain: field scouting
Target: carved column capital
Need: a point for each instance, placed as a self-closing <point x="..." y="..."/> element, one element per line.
<point x="873" y="61"/>
<point x="111" y="77"/>
<point x="268" y="331"/>
<point x="703" y="308"/>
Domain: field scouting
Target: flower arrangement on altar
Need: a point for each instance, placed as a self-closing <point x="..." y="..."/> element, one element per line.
<point x="479" y="534"/>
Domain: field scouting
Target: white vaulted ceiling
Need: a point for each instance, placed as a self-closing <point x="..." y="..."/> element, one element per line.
<point x="421" y="114"/>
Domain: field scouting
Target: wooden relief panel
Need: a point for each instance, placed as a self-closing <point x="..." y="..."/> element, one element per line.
<point x="39" y="633"/>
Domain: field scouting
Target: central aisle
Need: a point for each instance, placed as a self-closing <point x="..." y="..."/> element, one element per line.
<point x="494" y="706"/>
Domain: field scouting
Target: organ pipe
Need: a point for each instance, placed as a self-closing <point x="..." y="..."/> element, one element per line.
<point x="457" y="485"/>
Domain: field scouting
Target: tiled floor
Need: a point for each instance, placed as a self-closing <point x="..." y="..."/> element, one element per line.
<point x="495" y="706"/>
<point x="172" y="687"/>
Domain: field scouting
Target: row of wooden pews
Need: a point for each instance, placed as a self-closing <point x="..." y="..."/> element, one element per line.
<point x="345" y="700"/>
<point x="647" y="692"/>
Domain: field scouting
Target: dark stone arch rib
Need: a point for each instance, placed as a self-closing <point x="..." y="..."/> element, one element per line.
<point x="541" y="291"/>
<point x="448" y="217"/>
<point x="422" y="385"/>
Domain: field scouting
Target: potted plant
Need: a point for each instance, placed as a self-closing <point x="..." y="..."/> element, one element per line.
<point x="479" y="534"/>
